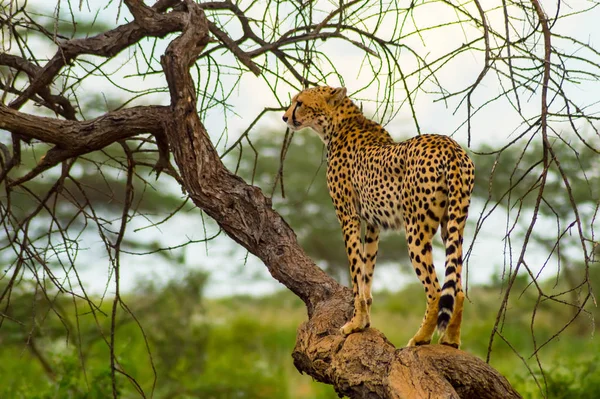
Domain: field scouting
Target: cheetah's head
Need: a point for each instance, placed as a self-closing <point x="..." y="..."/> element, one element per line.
<point x="315" y="108"/>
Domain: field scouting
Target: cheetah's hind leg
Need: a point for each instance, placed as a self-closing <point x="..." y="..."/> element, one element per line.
<point x="420" y="251"/>
<point x="360" y="318"/>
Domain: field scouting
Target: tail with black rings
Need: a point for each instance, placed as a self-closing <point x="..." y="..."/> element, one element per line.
<point x="459" y="181"/>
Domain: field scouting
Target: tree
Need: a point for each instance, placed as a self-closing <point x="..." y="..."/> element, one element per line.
<point x="202" y="50"/>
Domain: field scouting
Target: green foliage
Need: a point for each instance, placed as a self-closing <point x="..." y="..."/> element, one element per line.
<point x="520" y="167"/>
<point x="69" y="383"/>
<point x="567" y="378"/>
<point x="241" y="346"/>
<point x="186" y="349"/>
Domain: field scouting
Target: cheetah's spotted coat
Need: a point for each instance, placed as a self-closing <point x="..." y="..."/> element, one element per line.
<point x="421" y="183"/>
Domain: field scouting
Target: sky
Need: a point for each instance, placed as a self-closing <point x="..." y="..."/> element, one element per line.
<point x="233" y="271"/>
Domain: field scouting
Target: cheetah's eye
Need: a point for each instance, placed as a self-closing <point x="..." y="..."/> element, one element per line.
<point x="298" y="103"/>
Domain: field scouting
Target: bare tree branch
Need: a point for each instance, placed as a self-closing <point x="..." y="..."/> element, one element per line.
<point x="85" y="136"/>
<point x="56" y="103"/>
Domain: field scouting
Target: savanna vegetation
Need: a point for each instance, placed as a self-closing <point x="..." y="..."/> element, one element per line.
<point x="239" y="347"/>
<point x="183" y="345"/>
<point x="115" y="137"/>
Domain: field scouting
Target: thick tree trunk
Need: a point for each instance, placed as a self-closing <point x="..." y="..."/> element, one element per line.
<point x="367" y="365"/>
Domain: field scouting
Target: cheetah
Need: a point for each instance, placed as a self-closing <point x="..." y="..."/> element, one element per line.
<point x="421" y="183"/>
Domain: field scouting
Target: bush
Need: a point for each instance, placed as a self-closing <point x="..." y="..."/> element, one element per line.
<point x="568" y="378"/>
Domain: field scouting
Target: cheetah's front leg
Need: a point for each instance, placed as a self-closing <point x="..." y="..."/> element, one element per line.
<point x="370" y="256"/>
<point x="360" y="317"/>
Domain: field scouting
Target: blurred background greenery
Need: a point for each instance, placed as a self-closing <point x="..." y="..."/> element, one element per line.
<point x="175" y="342"/>
<point x="240" y="347"/>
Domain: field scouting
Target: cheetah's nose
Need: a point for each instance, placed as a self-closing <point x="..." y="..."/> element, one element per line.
<point x="285" y="118"/>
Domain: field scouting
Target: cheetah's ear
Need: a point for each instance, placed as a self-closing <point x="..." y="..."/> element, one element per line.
<point x="337" y="96"/>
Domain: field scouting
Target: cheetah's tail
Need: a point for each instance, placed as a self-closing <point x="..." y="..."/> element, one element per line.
<point x="459" y="193"/>
<point x="446" y="304"/>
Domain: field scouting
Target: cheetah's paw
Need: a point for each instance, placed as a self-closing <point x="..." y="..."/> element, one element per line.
<point x="453" y="342"/>
<point x="358" y="323"/>
<point x="414" y="342"/>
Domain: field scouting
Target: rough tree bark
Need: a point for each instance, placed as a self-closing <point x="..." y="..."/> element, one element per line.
<point x="362" y="365"/>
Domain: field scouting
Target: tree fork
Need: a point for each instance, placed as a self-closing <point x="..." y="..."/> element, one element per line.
<point x="367" y="365"/>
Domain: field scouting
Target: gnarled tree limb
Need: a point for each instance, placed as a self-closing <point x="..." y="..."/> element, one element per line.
<point x="85" y="136"/>
<point x="74" y="138"/>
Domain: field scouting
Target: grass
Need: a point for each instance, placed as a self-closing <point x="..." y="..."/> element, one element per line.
<point x="398" y="316"/>
<point x="241" y="347"/>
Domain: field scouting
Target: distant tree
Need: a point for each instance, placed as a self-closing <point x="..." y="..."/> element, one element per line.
<point x="513" y="180"/>
<point x="202" y="50"/>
